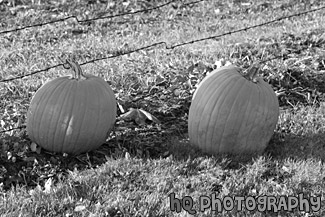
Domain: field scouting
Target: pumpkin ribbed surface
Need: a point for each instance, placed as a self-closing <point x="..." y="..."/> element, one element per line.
<point x="231" y="114"/>
<point x="71" y="115"/>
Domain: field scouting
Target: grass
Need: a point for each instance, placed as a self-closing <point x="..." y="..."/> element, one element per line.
<point x="139" y="167"/>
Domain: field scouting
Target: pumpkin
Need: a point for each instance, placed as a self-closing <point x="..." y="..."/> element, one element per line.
<point x="232" y="113"/>
<point x="72" y="114"/>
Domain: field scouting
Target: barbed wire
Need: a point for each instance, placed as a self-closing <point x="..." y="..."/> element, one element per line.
<point x="255" y="64"/>
<point x="15" y="128"/>
<point x="140" y="11"/>
<point x="32" y="73"/>
<point x="122" y="53"/>
<point x="118" y="53"/>
<point x="249" y="27"/>
<point x="99" y="18"/>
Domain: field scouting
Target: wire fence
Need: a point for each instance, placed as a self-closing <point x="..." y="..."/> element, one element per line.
<point x="166" y="46"/>
<point x="98" y="18"/>
<point x="122" y="53"/>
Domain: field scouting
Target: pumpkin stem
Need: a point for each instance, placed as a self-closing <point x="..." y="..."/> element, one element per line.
<point x="252" y="72"/>
<point x="77" y="72"/>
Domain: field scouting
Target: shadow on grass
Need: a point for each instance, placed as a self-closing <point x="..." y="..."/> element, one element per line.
<point x="297" y="147"/>
<point x="281" y="147"/>
<point x="34" y="169"/>
<point x="183" y="150"/>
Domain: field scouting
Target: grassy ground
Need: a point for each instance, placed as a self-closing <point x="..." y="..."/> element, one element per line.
<point x="136" y="171"/>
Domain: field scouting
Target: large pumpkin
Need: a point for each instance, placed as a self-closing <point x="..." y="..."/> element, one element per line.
<point x="72" y="114"/>
<point x="232" y="113"/>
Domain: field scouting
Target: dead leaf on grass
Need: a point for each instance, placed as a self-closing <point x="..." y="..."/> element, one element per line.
<point x="79" y="208"/>
<point x="139" y="116"/>
<point x="35" y="148"/>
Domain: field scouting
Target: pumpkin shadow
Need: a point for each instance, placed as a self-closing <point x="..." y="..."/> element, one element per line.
<point x="281" y="147"/>
<point x="183" y="150"/>
<point x="296" y="147"/>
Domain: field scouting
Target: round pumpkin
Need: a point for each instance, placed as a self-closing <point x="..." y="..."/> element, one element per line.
<point x="72" y="114"/>
<point x="232" y="113"/>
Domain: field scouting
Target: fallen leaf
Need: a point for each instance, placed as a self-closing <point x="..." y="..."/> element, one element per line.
<point x="139" y="116"/>
<point x="120" y="106"/>
<point x="127" y="155"/>
<point x="48" y="186"/>
<point x="150" y="116"/>
<point x="79" y="208"/>
<point x="33" y="147"/>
